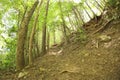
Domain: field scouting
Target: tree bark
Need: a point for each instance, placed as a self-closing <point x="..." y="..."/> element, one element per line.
<point x="37" y="44"/>
<point x="71" y="22"/>
<point x="87" y="13"/>
<point x="77" y="19"/>
<point x="90" y="8"/>
<point x="22" y="34"/>
<point x="63" y="24"/>
<point x="32" y="35"/>
<point x="44" y="30"/>
<point x="48" y="40"/>
<point x="80" y="25"/>
<point x="54" y="37"/>
<point x="79" y="15"/>
<point x="99" y="5"/>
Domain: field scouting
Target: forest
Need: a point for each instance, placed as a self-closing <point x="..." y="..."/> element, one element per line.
<point x="59" y="40"/>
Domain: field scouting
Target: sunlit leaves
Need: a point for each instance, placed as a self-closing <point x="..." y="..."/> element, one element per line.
<point x="12" y="13"/>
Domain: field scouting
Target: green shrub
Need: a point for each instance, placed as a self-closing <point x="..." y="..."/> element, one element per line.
<point x="7" y="61"/>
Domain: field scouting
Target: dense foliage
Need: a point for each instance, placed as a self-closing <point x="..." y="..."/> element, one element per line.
<point x="69" y="13"/>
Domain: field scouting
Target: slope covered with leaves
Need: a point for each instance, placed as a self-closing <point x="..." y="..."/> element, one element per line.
<point x="95" y="57"/>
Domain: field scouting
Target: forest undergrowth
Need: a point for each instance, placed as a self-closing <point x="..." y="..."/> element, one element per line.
<point x="95" y="58"/>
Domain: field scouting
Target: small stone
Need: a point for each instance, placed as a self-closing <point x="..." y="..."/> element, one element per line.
<point x="104" y="38"/>
<point x="119" y="39"/>
<point x="83" y="60"/>
<point x="42" y="69"/>
<point x="22" y="74"/>
<point x="107" y="45"/>
<point x="98" y="54"/>
<point x="86" y="54"/>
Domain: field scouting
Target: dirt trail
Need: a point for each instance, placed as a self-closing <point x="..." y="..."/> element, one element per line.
<point x="98" y="58"/>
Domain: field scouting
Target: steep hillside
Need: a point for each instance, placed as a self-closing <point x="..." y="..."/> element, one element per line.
<point x="95" y="58"/>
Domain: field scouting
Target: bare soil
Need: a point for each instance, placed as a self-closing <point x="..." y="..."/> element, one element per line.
<point x="92" y="59"/>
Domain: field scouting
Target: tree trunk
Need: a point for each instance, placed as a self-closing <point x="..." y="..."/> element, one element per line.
<point x="80" y="25"/>
<point x="77" y="18"/>
<point x="48" y="40"/>
<point x="63" y="24"/>
<point x="71" y="22"/>
<point x="44" y="31"/>
<point x="87" y="13"/>
<point x="22" y="34"/>
<point x="54" y="39"/>
<point x="90" y="8"/>
<point x="32" y="35"/>
<point x="99" y="5"/>
<point x="80" y="15"/>
<point x="37" y="44"/>
<point x="34" y="51"/>
<point x="103" y="3"/>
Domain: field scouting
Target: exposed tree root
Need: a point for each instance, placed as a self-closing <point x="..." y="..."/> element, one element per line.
<point x="102" y="27"/>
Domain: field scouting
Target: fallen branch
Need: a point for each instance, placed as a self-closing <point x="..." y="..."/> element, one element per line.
<point x="102" y="27"/>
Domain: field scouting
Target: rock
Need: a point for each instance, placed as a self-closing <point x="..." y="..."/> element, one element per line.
<point x="22" y="74"/>
<point x="95" y="43"/>
<point x="98" y="54"/>
<point x="42" y="69"/>
<point x="107" y="45"/>
<point x="104" y="38"/>
<point x="86" y="54"/>
<point x="83" y="60"/>
<point x="119" y="39"/>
